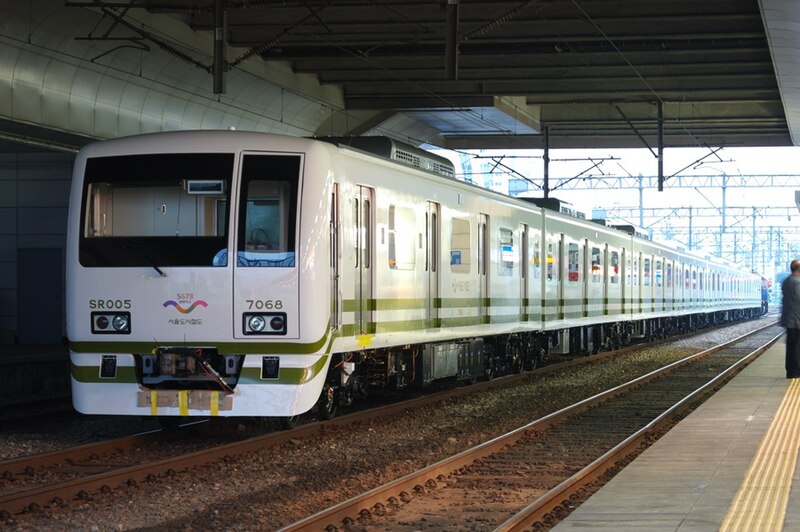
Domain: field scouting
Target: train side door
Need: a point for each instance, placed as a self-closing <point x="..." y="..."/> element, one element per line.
<point x="483" y="259"/>
<point x="364" y="222"/>
<point x="336" y="304"/>
<point x="432" y="263"/>
<point x="523" y="272"/>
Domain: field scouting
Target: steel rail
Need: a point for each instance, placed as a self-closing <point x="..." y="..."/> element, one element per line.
<point x="539" y="509"/>
<point x="344" y="512"/>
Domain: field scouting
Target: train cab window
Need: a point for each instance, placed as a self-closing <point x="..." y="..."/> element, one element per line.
<point x="268" y="214"/>
<point x="597" y="265"/>
<point x="506" y="240"/>
<point x="614" y="277"/>
<point x="402" y="248"/>
<point x="460" y="246"/>
<point x="646" y="278"/>
<point x="156" y="210"/>
<point x="573" y="263"/>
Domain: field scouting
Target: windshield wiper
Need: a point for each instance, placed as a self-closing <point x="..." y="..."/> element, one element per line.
<point x="144" y="255"/>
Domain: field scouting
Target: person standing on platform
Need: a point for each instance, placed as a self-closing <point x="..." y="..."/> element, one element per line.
<point x="790" y="318"/>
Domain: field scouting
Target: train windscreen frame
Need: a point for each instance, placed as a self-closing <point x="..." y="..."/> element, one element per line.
<point x="148" y="210"/>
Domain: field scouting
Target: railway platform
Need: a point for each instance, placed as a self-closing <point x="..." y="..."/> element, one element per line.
<point x="730" y="465"/>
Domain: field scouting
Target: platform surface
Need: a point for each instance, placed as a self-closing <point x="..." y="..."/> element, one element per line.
<point x="730" y="465"/>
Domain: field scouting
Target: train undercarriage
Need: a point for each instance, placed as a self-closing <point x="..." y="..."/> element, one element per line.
<point x="355" y="374"/>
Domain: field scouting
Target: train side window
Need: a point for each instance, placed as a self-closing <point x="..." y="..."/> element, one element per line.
<point x="687" y="279"/>
<point x="659" y="275"/>
<point x="597" y="265"/>
<point x="573" y="263"/>
<point x="506" y="266"/>
<point x="550" y="262"/>
<point x="402" y="251"/>
<point x="669" y="275"/>
<point x="646" y="272"/>
<point x="614" y="277"/>
<point x="460" y="246"/>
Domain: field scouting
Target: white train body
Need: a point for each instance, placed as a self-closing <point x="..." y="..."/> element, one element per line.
<point x="244" y="274"/>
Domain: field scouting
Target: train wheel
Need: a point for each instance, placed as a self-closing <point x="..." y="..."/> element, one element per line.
<point x="326" y="406"/>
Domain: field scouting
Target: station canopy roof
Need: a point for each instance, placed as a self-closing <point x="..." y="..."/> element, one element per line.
<point x="495" y="73"/>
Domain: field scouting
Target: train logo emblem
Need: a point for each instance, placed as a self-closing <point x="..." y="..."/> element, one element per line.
<point x="186" y="310"/>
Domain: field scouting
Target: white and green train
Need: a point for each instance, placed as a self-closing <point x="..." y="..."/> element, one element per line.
<point x="222" y="273"/>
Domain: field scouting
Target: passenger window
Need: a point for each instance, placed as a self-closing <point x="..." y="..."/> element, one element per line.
<point x="573" y="263"/>
<point x="614" y="277"/>
<point x="506" y="267"/>
<point x="659" y="273"/>
<point x="646" y="273"/>
<point x="402" y="251"/>
<point x="460" y="240"/>
<point x="597" y="265"/>
<point x="669" y="275"/>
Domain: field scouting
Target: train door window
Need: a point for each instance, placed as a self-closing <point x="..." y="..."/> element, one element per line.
<point x="268" y="217"/>
<point x="628" y="271"/>
<point x="701" y="281"/>
<point x="646" y="278"/>
<point x="573" y="263"/>
<point x="537" y="260"/>
<point x="597" y="265"/>
<point x="659" y="274"/>
<point x="402" y="248"/>
<point x="506" y="266"/>
<point x="694" y="279"/>
<point x="551" y="265"/>
<point x="635" y="272"/>
<point x="460" y="242"/>
<point x="687" y="279"/>
<point x="614" y="277"/>
<point x="668" y="275"/>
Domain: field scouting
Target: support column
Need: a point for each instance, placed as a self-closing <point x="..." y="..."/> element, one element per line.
<point x="660" y="146"/>
<point x="219" y="47"/>
<point x="546" y="159"/>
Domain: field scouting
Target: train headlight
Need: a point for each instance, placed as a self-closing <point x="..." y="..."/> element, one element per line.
<point x="265" y="323"/>
<point x="257" y="323"/>
<point x="111" y="322"/>
<point x="120" y="322"/>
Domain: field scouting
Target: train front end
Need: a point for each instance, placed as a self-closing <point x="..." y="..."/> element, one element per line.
<point x="192" y="287"/>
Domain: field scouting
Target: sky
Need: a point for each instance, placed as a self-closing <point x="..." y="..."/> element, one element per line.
<point x="634" y="162"/>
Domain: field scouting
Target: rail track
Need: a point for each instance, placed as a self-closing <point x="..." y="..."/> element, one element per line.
<point x="77" y="474"/>
<point x="552" y="461"/>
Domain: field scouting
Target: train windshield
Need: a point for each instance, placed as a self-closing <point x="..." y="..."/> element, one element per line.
<point x="156" y="210"/>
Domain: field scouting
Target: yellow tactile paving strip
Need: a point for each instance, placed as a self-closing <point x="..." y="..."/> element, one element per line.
<point x="760" y="503"/>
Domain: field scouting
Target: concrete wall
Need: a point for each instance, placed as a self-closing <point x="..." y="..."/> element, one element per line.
<point x="34" y="193"/>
